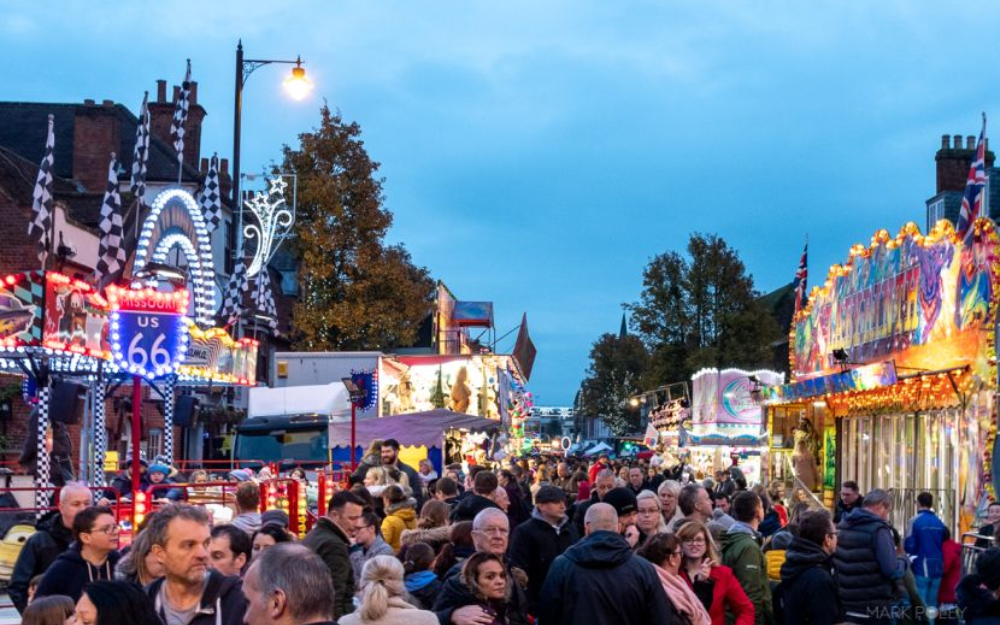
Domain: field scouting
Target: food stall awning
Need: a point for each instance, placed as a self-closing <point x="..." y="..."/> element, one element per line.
<point x="413" y="429"/>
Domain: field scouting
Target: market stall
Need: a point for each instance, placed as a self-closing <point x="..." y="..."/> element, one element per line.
<point x="894" y="361"/>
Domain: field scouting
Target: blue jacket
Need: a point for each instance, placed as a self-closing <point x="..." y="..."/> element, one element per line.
<point x="924" y="542"/>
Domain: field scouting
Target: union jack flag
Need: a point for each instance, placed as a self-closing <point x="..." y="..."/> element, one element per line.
<point x="801" y="278"/>
<point x="972" y="201"/>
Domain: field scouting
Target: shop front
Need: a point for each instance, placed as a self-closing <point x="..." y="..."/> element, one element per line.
<point x="895" y="357"/>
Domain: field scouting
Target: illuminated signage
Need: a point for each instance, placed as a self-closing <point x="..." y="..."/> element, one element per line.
<point x="149" y="333"/>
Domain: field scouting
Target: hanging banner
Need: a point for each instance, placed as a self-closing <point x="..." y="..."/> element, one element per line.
<point x="730" y="396"/>
<point x="75" y="316"/>
<point x="22" y="296"/>
<point x="925" y="302"/>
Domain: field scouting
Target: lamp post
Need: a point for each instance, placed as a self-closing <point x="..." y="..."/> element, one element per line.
<point x="298" y="86"/>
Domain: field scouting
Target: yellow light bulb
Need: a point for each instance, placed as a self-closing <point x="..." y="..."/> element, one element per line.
<point x="298" y="85"/>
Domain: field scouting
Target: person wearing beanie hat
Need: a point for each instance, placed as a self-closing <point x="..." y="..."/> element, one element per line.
<point x="774" y="553"/>
<point x="158" y="475"/>
<point x="626" y="504"/>
<point x="978" y="594"/>
<point x="537" y="542"/>
<point x="275" y="516"/>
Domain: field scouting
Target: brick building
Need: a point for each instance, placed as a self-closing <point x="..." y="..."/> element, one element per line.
<point x="953" y="161"/>
<point x="85" y="136"/>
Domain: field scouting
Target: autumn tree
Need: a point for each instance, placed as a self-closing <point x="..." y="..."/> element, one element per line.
<point x="617" y="365"/>
<point x="701" y="310"/>
<point x="357" y="293"/>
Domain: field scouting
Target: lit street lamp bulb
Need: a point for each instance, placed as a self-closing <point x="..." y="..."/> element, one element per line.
<point x="634" y="402"/>
<point x="297" y="85"/>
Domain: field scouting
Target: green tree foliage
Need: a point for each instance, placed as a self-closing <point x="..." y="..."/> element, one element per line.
<point x="356" y="292"/>
<point x="701" y="310"/>
<point x="617" y="364"/>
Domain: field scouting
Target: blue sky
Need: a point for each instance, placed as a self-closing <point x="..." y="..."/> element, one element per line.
<point x="537" y="154"/>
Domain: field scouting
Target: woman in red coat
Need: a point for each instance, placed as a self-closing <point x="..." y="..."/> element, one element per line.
<point x="714" y="583"/>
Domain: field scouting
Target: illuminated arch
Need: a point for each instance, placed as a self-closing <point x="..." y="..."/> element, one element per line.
<point x="176" y="220"/>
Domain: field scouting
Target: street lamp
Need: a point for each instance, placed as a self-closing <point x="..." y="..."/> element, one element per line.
<point x="297" y="85"/>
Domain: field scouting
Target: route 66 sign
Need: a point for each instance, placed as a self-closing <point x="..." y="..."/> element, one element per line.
<point x="148" y="332"/>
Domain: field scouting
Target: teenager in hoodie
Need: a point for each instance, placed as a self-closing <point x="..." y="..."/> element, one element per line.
<point x="807" y="593"/>
<point x="190" y="592"/>
<point x="400" y="514"/>
<point x="91" y="557"/>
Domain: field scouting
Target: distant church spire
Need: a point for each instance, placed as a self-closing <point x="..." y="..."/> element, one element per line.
<point x="624" y="329"/>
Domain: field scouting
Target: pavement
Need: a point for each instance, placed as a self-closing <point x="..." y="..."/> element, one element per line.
<point x="8" y="614"/>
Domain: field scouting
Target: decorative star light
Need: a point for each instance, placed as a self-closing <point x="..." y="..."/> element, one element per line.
<point x="274" y="220"/>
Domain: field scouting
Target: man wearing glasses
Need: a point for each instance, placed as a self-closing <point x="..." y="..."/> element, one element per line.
<point x="807" y="593"/>
<point x="92" y="556"/>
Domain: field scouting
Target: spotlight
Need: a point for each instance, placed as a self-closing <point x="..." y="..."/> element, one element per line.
<point x="840" y="355"/>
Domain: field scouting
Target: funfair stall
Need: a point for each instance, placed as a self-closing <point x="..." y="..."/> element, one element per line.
<point x="897" y="352"/>
<point x="727" y="426"/>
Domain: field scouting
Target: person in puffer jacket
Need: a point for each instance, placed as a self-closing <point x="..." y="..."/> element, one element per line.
<point x="91" y="557"/>
<point x="775" y="553"/>
<point x="924" y="543"/>
<point x="400" y="514"/>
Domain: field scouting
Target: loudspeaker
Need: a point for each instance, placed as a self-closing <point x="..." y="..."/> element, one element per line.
<point x="65" y="403"/>
<point x="186" y="411"/>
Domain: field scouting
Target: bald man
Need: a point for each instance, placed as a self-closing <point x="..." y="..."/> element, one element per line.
<point x="53" y="537"/>
<point x="598" y="580"/>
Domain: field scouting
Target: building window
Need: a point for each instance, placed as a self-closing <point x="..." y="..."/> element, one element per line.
<point x="154" y="442"/>
<point x="935" y="213"/>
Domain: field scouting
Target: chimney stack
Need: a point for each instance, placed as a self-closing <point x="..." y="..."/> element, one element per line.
<point x="161" y="114"/>
<point x="96" y="134"/>
<point x="161" y="91"/>
<point x="954" y="159"/>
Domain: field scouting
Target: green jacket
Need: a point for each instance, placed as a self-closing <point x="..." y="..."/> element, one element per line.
<point x="743" y="555"/>
<point x="332" y="545"/>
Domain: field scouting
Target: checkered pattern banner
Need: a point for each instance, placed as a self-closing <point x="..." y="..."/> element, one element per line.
<point x="100" y="432"/>
<point x="232" y="306"/>
<point x="211" y="195"/>
<point x="111" y="250"/>
<point x="181" y="115"/>
<point x="40" y="227"/>
<point x="169" y="386"/>
<point x="264" y="299"/>
<point x="42" y="471"/>
<point x="140" y="155"/>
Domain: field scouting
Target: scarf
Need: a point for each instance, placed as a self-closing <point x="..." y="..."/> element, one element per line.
<point x="682" y="597"/>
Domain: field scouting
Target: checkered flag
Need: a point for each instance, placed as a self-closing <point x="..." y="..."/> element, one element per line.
<point x="238" y="284"/>
<point x="111" y="250"/>
<point x="211" y="198"/>
<point x="264" y="299"/>
<point x="181" y="115"/>
<point x="41" y="198"/>
<point x="141" y="153"/>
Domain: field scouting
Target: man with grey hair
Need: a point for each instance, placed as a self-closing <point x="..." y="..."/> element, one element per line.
<point x="455" y="604"/>
<point x="288" y="584"/>
<point x="867" y="563"/>
<point x="190" y="593"/>
<point x="599" y="580"/>
<point x="54" y="535"/>
<point x="604" y="482"/>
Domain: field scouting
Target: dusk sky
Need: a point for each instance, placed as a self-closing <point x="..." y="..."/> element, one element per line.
<point x="538" y="154"/>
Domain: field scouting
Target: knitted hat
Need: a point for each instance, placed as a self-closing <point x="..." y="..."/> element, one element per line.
<point x="159" y="468"/>
<point x="988" y="568"/>
<point x="240" y="475"/>
<point x="622" y="500"/>
<point x="781" y="540"/>
<point x="278" y="517"/>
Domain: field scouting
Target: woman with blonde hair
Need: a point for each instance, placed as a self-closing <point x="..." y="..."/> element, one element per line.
<point x="669" y="491"/>
<point x="648" y="519"/>
<point x="382" y="597"/>
<point x="714" y="584"/>
<point x="541" y="479"/>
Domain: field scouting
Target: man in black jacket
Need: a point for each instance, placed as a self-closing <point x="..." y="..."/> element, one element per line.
<point x="287" y="585"/>
<point x="604" y="482"/>
<point x="190" y="592"/>
<point x="390" y="459"/>
<point x="91" y="557"/>
<point x="807" y="593"/>
<point x="479" y="499"/>
<point x="455" y="603"/>
<point x="849" y="500"/>
<point x="541" y="539"/>
<point x="599" y="581"/>
<point x="331" y="539"/>
<point x="52" y="538"/>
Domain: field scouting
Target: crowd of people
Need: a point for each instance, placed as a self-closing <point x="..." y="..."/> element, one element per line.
<point x="535" y="541"/>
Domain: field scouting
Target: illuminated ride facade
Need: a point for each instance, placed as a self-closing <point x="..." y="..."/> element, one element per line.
<point x="894" y="374"/>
